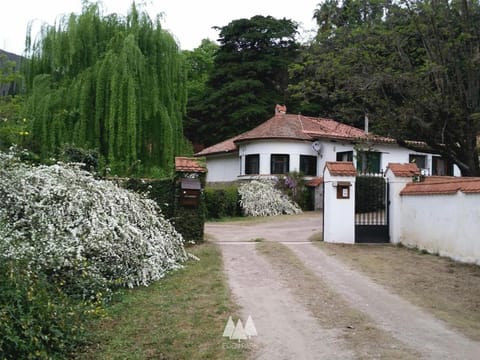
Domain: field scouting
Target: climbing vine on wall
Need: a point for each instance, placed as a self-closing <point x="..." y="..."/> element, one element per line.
<point x="111" y="83"/>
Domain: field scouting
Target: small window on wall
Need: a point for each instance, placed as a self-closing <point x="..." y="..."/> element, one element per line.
<point x="308" y="165"/>
<point x="368" y="162"/>
<point x="279" y="164"/>
<point x="420" y="160"/>
<point x="345" y="156"/>
<point x="441" y="166"/>
<point x="252" y="164"/>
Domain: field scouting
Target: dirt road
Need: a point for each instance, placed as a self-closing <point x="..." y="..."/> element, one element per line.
<point x="292" y="327"/>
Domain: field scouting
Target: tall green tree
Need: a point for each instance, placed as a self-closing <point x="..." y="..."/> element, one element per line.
<point x="249" y="77"/>
<point x="111" y="83"/>
<point x="200" y="64"/>
<point x="412" y="66"/>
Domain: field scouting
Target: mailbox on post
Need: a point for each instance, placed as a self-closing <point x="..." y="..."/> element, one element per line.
<point x="343" y="189"/>
<point x="190" y="192"/>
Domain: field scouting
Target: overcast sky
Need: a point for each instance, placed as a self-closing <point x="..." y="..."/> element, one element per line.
<point x="189" y="21"/>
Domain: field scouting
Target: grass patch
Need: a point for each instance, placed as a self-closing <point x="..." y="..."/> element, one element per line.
<point x="443" y="287"/>
<point x="332" y="312"/>
<point x="179" y="317"/>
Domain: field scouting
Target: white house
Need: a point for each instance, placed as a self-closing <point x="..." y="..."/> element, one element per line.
<point x="287" y="143"/>
<point x="296" y="143"/>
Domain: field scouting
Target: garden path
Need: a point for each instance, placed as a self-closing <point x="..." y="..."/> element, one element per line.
<point x="287" y="329"/>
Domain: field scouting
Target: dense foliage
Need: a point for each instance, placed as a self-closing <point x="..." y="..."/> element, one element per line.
<point x="412" y="66"/>
<point x="260" y="197"/>
<point x="222" y="202"/>
<point x="162" y="191"/>
<point x="38" y="320"/>
<point x="108" y="83"/>
<point x="14" y="127"/>
<point x="89" y="233"/>
<point x="249" y="76"/>
<point x="66" y="241"/>
<point x="200" y="64"/>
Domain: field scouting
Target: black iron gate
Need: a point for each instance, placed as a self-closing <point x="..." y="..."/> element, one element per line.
<point x="371" y="209"/>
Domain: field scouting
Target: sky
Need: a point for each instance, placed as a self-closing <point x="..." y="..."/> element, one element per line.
<point x="189" y="21"/>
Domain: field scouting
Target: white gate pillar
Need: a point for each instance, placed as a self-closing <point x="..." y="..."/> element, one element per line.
<point x="339" y="202"/>
<point x="398" y="176"/>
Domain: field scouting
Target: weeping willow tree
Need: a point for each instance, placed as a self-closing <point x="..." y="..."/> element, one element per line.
<point x="112" y="83"/>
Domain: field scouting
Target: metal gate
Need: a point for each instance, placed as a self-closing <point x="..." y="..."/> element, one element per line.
<point x="371" y="209"/>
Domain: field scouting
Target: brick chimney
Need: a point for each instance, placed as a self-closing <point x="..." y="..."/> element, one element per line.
<point x="280" y="109"/>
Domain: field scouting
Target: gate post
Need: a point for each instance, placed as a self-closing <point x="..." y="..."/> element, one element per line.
<point x="339" y="202"/>
<point x="398" y="175"/>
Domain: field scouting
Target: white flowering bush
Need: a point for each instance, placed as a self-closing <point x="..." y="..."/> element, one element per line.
<point x="259" y="197"/>
<point x="87" y="232"/>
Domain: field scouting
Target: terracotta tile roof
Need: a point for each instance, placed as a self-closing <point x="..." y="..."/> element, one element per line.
<point x="341" y="168"/>
<point x="223" y="147"/>
<point x="442" y="186"/>
<point x="329" y="129"/>
<point x="404" y="170"/>
<point x="296" y="127"/>
<point x="281" y="126"/>
<point x="316" y="181"/>
<point x="185" y="164"/>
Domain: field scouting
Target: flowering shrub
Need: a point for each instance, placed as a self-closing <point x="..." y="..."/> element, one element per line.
<point x="88" y="233"/>
<point x="293" y="185"/>
<point x="259" y="197"/>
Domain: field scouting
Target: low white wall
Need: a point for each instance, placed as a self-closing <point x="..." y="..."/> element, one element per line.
<point x="223" y="168"/>
<point x="448" y="225"/>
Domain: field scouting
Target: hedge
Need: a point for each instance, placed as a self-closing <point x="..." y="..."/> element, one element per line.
<point x="222" y="202"/>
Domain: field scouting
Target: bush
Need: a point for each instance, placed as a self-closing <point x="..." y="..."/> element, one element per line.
<point x="189" y="222"/>
<point x="88" y="233"/>
<point x="89" y="159"/>
<point x="37" y="320"/>
<point x="294" y="186"/>
<point x="162" y="191"/>
<point x="222" y="202"/>
<point x="260" y="198"/>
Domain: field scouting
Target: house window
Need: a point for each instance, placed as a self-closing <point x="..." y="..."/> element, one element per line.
<point x="368" y="162"/>
<point x="345" y="156"/>
<point x="279" y="164"/>
<point x="420" y="160"/>
<point x="441" y="167"/>
<point x="252" y="164"/>
<point x="308" y="165"/>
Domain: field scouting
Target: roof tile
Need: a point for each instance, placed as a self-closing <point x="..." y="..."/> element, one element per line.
<point x="223" y="147"/>
<point x="341" y="168"/>
<point x="404" y="170"/>
<point x="316" y="181"/>
<point x="442" y="186"/>
<point x="295" y="127"/>
<point x="185" y="164"/>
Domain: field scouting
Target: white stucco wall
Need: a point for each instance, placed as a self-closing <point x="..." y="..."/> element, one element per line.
<point x="265" y="148"/>
<point x="448" y="225"/>
<point x="223" y="168"/>
<point x="395" y="217"/>
<point x="330" y="149"/>
<point x="339" y="214"/>
<point x="229" y="167"/>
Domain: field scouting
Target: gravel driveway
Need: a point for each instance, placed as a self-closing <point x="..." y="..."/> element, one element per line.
<point x="287" y="329"/>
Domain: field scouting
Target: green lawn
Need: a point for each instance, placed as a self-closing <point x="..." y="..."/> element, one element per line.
<point x="179" y="317"/>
